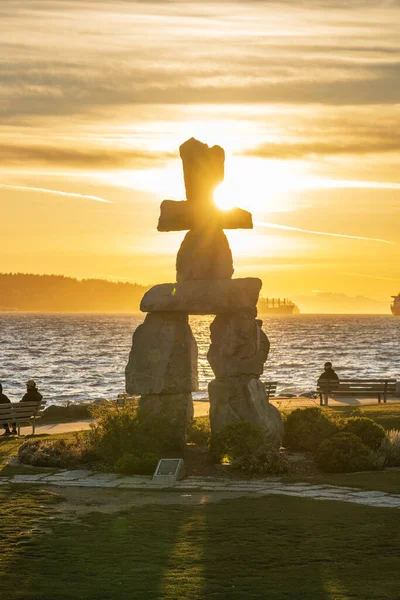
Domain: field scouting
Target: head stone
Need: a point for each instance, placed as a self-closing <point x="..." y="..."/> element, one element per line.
<point x="203" y="170"/>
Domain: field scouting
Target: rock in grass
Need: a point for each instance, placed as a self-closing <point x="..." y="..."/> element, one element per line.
<point x="244" y="399"/>
<point x="165" y="418"/>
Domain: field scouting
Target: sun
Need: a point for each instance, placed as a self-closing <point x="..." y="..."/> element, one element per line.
<point x="255" y="185"/>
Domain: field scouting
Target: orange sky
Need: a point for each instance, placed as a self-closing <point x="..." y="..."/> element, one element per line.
<point x="97" y="96"/>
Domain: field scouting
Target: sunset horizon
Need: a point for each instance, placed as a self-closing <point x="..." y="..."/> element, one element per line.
<point x="304" y="98"/>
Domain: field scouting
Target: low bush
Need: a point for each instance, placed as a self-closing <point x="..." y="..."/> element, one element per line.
<point x="265" y="460"/>
<point x="343" y="453"/>
<point x="370" y="433"/>
<point x="306" y="428"/>
<point x="237" y="439"/>
<point x="130" y="464"/>
<point x="390" y="447"/>
<point x="114" y="433"/>
<point x="58" y="453"/>
<point x="199" y="431"/>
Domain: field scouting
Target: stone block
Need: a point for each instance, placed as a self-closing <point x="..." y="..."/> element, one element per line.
<point x="204" y="255"/>
<point x="244" y="399"/>
<point x="180" y="216"/>
<point x="163" y="358"/>
<point x="203" y="169"/>
<point x="208" y="297"/>
<point x="238" y="345"/>
<point x="167" y="415"/>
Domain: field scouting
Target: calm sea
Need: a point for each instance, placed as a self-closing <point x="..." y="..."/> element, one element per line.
<point x="83" y="357"/>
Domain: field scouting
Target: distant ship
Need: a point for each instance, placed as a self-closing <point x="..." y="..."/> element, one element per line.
<point x="395" y="306"/>
<point x="276" y="306"/>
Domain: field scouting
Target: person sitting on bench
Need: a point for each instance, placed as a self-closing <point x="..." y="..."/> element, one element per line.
<point x="32" y="393"/>
<point x="6" y="400"/>
<point x="328" y="375"/>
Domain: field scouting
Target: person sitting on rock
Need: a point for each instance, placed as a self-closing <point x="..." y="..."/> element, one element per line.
<point x="32" y="393"/>
<point x="328" y="378"/>
<point x="6" y="400"/>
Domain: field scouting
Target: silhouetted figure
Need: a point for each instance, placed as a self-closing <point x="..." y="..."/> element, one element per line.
<point x="32" y="393"/>
<point x="330" y="377"/>
<point x="6" y="400"/>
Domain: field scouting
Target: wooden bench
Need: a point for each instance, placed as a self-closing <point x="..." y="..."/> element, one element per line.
<point x="362" y="388"/>
<point x="21" y="413"/>
<point x="270" y="388"/>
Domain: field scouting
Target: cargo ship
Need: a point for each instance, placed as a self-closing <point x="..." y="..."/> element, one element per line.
<point x="395" y="306"/>
<point x="277" y="306"/>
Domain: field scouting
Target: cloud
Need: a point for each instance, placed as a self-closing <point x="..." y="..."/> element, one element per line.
<point x="126" y="53"/>
<point x="325" y="233"/>
<point x="24" y="188"/>
<point x="88" y="158"/>
<point x="300" y="150"/>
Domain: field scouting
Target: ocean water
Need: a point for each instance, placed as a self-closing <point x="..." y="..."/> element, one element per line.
<point x="82" y="357"/>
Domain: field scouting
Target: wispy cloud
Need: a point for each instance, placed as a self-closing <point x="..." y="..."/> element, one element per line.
<point x="100" y="157"/>
<point x="325" y="233"/>
<point x="24" y="188"/>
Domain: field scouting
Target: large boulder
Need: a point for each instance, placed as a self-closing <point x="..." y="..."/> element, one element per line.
<point x="244" y="399"/>
<point x="166" y="416"/>
<point x="181" y="215"/>
<point x="203" y="170"/>
<point x="163" y="358"/>
<point x="204" y="254"/>
<point x="204" y="297"/>
<point x="238" y="345"/>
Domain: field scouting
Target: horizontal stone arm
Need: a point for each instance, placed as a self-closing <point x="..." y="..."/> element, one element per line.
<point x="182" y="215"/>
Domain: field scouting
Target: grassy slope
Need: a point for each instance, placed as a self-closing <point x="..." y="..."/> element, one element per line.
<point x="271" y="548"/>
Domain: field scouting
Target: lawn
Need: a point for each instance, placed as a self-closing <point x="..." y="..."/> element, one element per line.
<point x="387" y="415"/>
<point x="272" y="547"/>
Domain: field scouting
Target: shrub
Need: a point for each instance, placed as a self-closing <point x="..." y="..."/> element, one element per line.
<point x="370" y="433"/>
<point x="237" y="439"/>
<point x="390" y="447"/>
<point x="55" y="453"/>
<point x="114" y="433"/>
<point x="199" y="432"/>
<point x="343" y="453"/>
<point x="265" y="460"/>
<point x="130" y="464"/>
<point x="306" y="428"/>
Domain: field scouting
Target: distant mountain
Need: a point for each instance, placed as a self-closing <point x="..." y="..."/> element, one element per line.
<point x="56" y="293"/>
<point x="330" y="302"/>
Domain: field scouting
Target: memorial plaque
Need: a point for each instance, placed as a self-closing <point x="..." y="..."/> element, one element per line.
<point x="169" y="471"/>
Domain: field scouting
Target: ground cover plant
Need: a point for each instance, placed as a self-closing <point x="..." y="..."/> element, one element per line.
<point x="273" y="547"/>
<point x="343" y="453"/>
<point x="306" y="428"/>
<point x="370" y="433"/>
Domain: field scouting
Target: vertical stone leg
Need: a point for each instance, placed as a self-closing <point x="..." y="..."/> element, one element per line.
<point x="165" y="417"/>
<point x="237" y="354"/>
<point x="162" y="369"/>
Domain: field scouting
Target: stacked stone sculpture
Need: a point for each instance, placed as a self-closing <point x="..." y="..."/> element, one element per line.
<point x="162" y="365"/>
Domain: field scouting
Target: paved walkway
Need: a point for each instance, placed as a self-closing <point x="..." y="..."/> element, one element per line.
<point x="201" y="408"/>
<point x="260" y="487"/>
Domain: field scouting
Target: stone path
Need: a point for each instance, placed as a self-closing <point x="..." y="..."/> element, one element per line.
<point x="260" y="487"/>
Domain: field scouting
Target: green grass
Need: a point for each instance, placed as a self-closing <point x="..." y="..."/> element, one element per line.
<point x="387" y="415"/>
<point x="275" y="548"/>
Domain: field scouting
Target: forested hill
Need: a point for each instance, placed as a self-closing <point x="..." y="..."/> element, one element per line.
<point x="55" y="293"/>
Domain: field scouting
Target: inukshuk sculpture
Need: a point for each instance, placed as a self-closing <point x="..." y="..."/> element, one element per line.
<point x="162" y="366"/>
